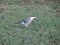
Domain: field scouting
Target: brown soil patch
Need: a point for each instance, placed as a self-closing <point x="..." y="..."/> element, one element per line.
<point x="1" y="10"/>
<point x="1" y="1"/>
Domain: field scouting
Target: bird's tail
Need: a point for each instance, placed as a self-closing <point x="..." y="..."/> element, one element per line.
<point x="17" y="23"/>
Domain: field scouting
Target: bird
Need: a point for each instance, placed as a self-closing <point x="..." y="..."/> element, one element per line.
<point x="26" y="21"/>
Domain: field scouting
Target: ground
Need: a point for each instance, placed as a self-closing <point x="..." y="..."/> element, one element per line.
<point x="45" y="30"/>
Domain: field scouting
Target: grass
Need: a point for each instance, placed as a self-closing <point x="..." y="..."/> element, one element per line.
<point x="43" y="31"/>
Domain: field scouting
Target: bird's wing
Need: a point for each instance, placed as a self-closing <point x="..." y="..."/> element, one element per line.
<point x="26" y="20"/>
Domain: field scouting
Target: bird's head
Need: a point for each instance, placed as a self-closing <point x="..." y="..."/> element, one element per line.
<point x="33" y="18"/>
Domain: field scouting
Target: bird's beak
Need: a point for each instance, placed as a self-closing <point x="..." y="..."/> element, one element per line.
<point x="35" y="18"/>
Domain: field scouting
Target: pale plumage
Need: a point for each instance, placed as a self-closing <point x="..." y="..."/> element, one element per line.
<point x="27" y="21"/>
